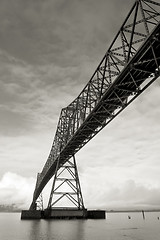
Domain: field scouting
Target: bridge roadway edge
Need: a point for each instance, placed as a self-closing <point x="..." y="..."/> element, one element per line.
<point x="63" y="213"/>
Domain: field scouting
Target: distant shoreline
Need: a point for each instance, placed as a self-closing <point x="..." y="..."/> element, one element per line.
<point x="125" y="211"/>
<point x="18" y="211"/>
<point x="107" y="211"/>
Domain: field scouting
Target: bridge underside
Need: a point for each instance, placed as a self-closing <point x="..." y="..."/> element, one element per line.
<point x="130" y="65"/>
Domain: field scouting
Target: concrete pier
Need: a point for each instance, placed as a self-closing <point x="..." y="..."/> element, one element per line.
<point x="63" y="213"/>
<point x="96" y="214"/>
<point x="31" y="214"/>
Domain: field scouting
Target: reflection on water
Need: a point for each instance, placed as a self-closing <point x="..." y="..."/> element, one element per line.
<point x="57" y="229"/>
<point x="117" y="226"/>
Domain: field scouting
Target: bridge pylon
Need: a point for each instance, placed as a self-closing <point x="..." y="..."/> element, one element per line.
<point x="66" y="186"/>
<point x="66" y="199"/>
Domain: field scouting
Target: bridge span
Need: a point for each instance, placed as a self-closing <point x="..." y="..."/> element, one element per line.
<point x="128" y="67"/>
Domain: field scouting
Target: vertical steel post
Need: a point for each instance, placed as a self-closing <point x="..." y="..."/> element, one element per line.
<point x="133" y="28"/>
<point x="53" y="186"/>
<point x="79" y="192"/>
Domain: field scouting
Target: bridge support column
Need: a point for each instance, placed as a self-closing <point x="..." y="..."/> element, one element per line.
<point x="66" y="201"/>
<point x="66" y="196"/>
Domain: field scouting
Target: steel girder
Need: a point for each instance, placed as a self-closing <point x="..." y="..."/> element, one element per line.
<point x="128" y="67"/>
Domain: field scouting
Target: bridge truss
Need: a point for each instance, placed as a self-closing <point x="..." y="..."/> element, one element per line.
<point x="130" y="65"/>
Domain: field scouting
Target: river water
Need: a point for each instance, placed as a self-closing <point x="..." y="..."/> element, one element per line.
<point x="117" y="226"/>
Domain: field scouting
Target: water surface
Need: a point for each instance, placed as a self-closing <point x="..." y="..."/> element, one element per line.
<point x="117" y="226"/>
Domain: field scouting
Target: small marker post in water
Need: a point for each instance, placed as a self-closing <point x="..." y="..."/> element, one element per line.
<point x="143" y="215"/>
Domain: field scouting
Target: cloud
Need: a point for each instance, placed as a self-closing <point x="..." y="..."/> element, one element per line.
<point x="42" y="57"/>
<point x="115" y="190"/>
<point x="104" y="193"/>
<point x="133" y="194"/>
<point x="16" y="189"/>
<point x="28" y="95"/>
<point x="58" y="31"/>
<point x="25" y="155"/>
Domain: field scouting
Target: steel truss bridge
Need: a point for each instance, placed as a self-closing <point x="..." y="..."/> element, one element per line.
<point x="130" y="65"/>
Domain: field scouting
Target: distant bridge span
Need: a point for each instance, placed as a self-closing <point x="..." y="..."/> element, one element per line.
<point x="128" y="67"/>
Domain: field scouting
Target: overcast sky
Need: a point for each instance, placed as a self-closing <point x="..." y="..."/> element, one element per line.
<point x="48" y="52"/>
